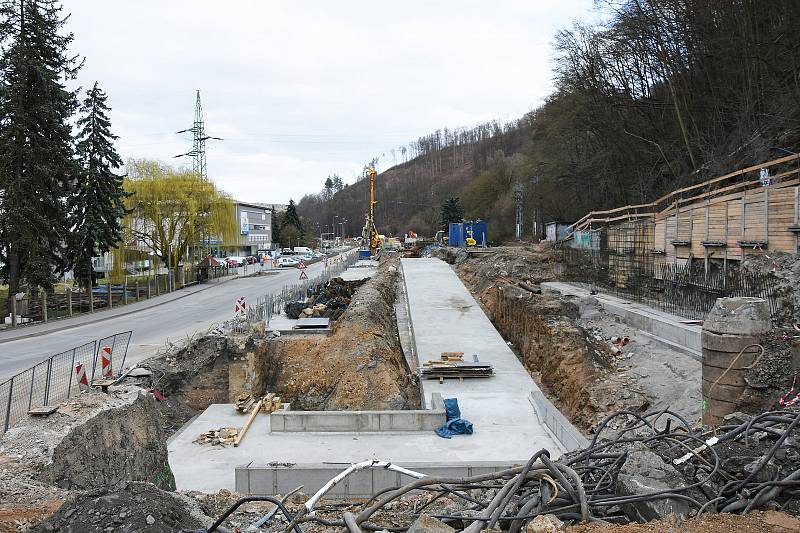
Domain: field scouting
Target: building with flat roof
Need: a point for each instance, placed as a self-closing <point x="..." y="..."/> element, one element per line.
<point x="255" y="229"/>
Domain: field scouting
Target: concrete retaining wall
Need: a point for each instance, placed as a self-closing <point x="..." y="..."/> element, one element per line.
<point x="562" y="429"/>
<point x="268" y="480"/>
<point x="360" y="421"/>
<point x="661" y="326"/>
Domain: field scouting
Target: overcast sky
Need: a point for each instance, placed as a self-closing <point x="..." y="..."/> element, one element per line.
<point x="303" y="89"/>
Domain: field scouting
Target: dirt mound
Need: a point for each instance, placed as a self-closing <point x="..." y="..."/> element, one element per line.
<point x="359" y="366"/>
<point x="756" y="522"/>
<point x="566" y="353"/>
<point x="93" y="440"/>
<point x="786" y="268"/>
<point x="531" y="264"/>
<point x="133" y="507"/>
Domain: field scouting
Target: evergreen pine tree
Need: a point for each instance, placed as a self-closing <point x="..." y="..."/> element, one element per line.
<point x="452" y="211"/>
<point x="96" y="206"/>
<point x="291" y="218"/>
<point x="37" y="168"/>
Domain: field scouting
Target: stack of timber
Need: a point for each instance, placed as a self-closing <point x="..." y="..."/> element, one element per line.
<point x="452" y="365"/>
<point x="269" y="403"/>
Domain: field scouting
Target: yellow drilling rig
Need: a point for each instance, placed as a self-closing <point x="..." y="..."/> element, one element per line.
<point x="369" y="234"/>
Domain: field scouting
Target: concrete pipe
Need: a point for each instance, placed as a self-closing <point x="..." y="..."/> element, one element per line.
<point x="730" y="331"/>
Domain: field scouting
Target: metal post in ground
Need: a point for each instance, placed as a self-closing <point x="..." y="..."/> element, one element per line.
<point x="125" y="292"/>
<point x="91" y="298"/>
<point x="13" y="310"/>
<point x="108" y="287"/>
<point x="8" y="405"/>
<point x="30" y="391"/>
<point x="44" y="306"/>
<point x="47" y="381"/>
<point x="137" y="290"/>
<point x="71" y="370"/>
<point x="69" y="301"/>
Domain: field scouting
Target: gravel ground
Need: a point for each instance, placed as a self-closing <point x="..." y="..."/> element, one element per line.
<point x="647" y="370"/>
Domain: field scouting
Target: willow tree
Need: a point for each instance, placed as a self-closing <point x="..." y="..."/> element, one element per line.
<point x="171" y="211"/>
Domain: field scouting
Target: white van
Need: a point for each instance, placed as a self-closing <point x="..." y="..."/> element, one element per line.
<point x="302" y="250"/>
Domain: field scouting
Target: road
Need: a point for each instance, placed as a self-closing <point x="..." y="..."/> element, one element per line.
<point x="152" y="327"/>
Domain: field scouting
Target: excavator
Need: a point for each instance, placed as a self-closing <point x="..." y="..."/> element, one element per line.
<point x="369" y="234"/>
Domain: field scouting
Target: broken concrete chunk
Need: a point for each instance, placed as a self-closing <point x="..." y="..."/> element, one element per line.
<point x="645" y="472"/>
<point x="546" y="523"/>
<point x="427" y="524"/>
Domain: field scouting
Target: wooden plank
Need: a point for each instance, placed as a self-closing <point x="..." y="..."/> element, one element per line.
<point x="247" y="424"/>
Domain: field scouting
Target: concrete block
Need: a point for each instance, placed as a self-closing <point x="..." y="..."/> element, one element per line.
<point x="739" y="316"/>
<point x="260" y="481"/>
<point x="242" y="478"/>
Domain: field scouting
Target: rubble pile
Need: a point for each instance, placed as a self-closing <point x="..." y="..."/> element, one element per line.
<point x="131" y="508"/>
<point x="655" y="467"/>
<point x="786" y="268"/>
<point x="218" y="437"/>
<point x="328" y="302"/>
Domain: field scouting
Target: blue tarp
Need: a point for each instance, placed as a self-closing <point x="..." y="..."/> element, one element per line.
<point x="455" y="425"/>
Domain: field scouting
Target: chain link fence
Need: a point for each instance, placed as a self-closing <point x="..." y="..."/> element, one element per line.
<point x="54" y="380"/>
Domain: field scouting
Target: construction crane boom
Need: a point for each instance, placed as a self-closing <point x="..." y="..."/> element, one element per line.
<point x="370" y="234"/>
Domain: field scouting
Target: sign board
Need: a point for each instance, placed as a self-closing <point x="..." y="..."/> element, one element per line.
<point x="243" y="222"/>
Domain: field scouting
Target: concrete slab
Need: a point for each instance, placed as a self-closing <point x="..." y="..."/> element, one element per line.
<point x="444" y="317"/>
<point x="663" y="327"/>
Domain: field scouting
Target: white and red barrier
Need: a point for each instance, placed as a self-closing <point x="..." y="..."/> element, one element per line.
<point x="105" y="362"/>
<point x="241" y="306"/>
<point x="80" y="372"/>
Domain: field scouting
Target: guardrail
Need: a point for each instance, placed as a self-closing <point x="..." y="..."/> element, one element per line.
<point x="53" y="380"/>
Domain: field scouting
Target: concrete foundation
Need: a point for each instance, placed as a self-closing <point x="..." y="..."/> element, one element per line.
<point x="664" y="327"/>
<point x="360" y="421"/>
<point x="280" y="479"/>
<point x="443" y="316"/>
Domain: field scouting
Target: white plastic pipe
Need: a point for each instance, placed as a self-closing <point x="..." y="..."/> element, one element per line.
<point x="355" y="468"/>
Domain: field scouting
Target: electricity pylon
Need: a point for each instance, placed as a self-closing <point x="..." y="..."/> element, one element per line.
<point x="198" y="151"/>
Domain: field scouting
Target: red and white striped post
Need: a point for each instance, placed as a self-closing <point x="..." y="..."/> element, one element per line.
<point x="80" y="371"/>
<point x="105" y="361"/>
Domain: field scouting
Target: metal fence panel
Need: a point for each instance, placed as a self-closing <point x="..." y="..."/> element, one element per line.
<point x="5" y="404"/>
<point x="53" y="380"/>
<point x="119" y="351"/>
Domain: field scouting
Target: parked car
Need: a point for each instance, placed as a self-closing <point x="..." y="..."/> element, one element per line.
<point x="251" y="259"/>
<point x="319" y="254"/>
<point x="235" y="260"/>
<point x="287" y="262"/>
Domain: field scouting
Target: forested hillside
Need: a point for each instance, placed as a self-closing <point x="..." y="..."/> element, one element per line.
<point x="663" y="93"/>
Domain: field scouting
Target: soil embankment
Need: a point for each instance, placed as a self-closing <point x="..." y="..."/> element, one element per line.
<point x="564" y="341"/>
<point x="359" y="366"/>
<point x="93" y="441"/>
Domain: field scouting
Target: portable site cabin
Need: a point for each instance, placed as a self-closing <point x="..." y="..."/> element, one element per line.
<point x="461" y="231"/>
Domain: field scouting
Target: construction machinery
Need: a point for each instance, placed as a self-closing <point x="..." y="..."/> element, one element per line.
<point x="369" y="235"/>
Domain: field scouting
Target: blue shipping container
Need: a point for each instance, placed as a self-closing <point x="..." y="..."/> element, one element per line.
<point x="461" y="231"/>
<point x="454" y="236"/>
